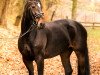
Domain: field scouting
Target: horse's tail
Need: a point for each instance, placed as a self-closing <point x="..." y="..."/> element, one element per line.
<point x="82" y="31"/>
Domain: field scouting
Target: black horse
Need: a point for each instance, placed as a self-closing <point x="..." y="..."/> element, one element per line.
<point x="60" y="37"/>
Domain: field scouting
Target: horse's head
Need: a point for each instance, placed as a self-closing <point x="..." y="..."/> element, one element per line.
<point x="34" y="10"/>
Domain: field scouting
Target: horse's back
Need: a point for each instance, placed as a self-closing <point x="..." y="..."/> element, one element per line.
<point x="64" y="22"/>
<point x="73" y="28"/>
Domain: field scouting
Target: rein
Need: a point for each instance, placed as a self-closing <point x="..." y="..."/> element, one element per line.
<point x="30" y="29"/>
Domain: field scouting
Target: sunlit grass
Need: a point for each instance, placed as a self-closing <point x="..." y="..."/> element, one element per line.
<point x="93" y="32"/>
<point x="94" y="39"/>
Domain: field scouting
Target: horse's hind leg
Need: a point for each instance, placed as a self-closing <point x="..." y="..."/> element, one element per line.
<point x="83" y="60"/>
<point x="29" y="66"/>
<point x="65" y="58"/>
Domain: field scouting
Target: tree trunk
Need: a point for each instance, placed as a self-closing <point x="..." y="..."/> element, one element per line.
<point x="53" y="14"/>
<point x="17" y="21"/>
<point x="74" y="9"/>
<point x="3" y="19"/>
<point x="46" y="15"/>
<point x="19" y="16"/>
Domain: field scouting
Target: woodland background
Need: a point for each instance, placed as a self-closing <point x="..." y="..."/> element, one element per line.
<point x="81" y="10"/>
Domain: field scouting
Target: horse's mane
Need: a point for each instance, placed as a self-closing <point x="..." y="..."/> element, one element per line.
<point x="27" y="8"/>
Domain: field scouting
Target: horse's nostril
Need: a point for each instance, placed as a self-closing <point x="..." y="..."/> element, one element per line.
<point x="39" y="15"/>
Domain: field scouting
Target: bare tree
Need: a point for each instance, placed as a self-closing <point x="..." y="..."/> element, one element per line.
<point x="53" y="13"/>
<point x="44" y="9"/>
<point x="47" y="4"/>
<point x="3" y="19"/>
<point x="18" y="17"/>
<point x="74" y="9"/>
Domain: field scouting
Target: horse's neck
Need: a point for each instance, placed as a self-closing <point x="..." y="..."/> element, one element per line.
<point x="25" y="24"/>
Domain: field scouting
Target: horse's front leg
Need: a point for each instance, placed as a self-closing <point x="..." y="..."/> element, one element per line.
<point x="40" y="64"/>
<point x="29" y="66"/>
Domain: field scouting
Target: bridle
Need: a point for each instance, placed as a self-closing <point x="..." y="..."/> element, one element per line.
<point x="40" y="14"/>
<point x="34" y="24"/>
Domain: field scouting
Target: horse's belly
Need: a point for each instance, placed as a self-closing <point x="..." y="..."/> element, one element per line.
<point x="51" y="53"/>
<point x="55" y="49"/>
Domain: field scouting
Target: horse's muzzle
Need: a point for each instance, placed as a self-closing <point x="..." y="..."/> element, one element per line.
<point x="39" y="15"/>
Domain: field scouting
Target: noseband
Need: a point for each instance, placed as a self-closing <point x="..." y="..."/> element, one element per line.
<point x="39" y="15"/>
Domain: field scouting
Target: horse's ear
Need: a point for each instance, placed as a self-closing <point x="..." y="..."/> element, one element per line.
<point x="29" y="0"/>
<point x="38" y="0"/>
<point x="33" y="0"/>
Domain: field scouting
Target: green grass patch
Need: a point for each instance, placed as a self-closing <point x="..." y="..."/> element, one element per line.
<point x="94" y="38"/>
<point x="93" y="32"/>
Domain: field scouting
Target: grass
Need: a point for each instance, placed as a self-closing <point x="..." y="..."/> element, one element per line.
<point x="94" y="39"/>
<point x="93" y="32"/>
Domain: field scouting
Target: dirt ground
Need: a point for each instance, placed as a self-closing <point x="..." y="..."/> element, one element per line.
<point x="11" y="62"/>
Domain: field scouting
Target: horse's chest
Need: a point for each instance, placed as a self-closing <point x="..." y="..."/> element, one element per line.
<point x="40" y="40"/>
<point x="25" y="49"/>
